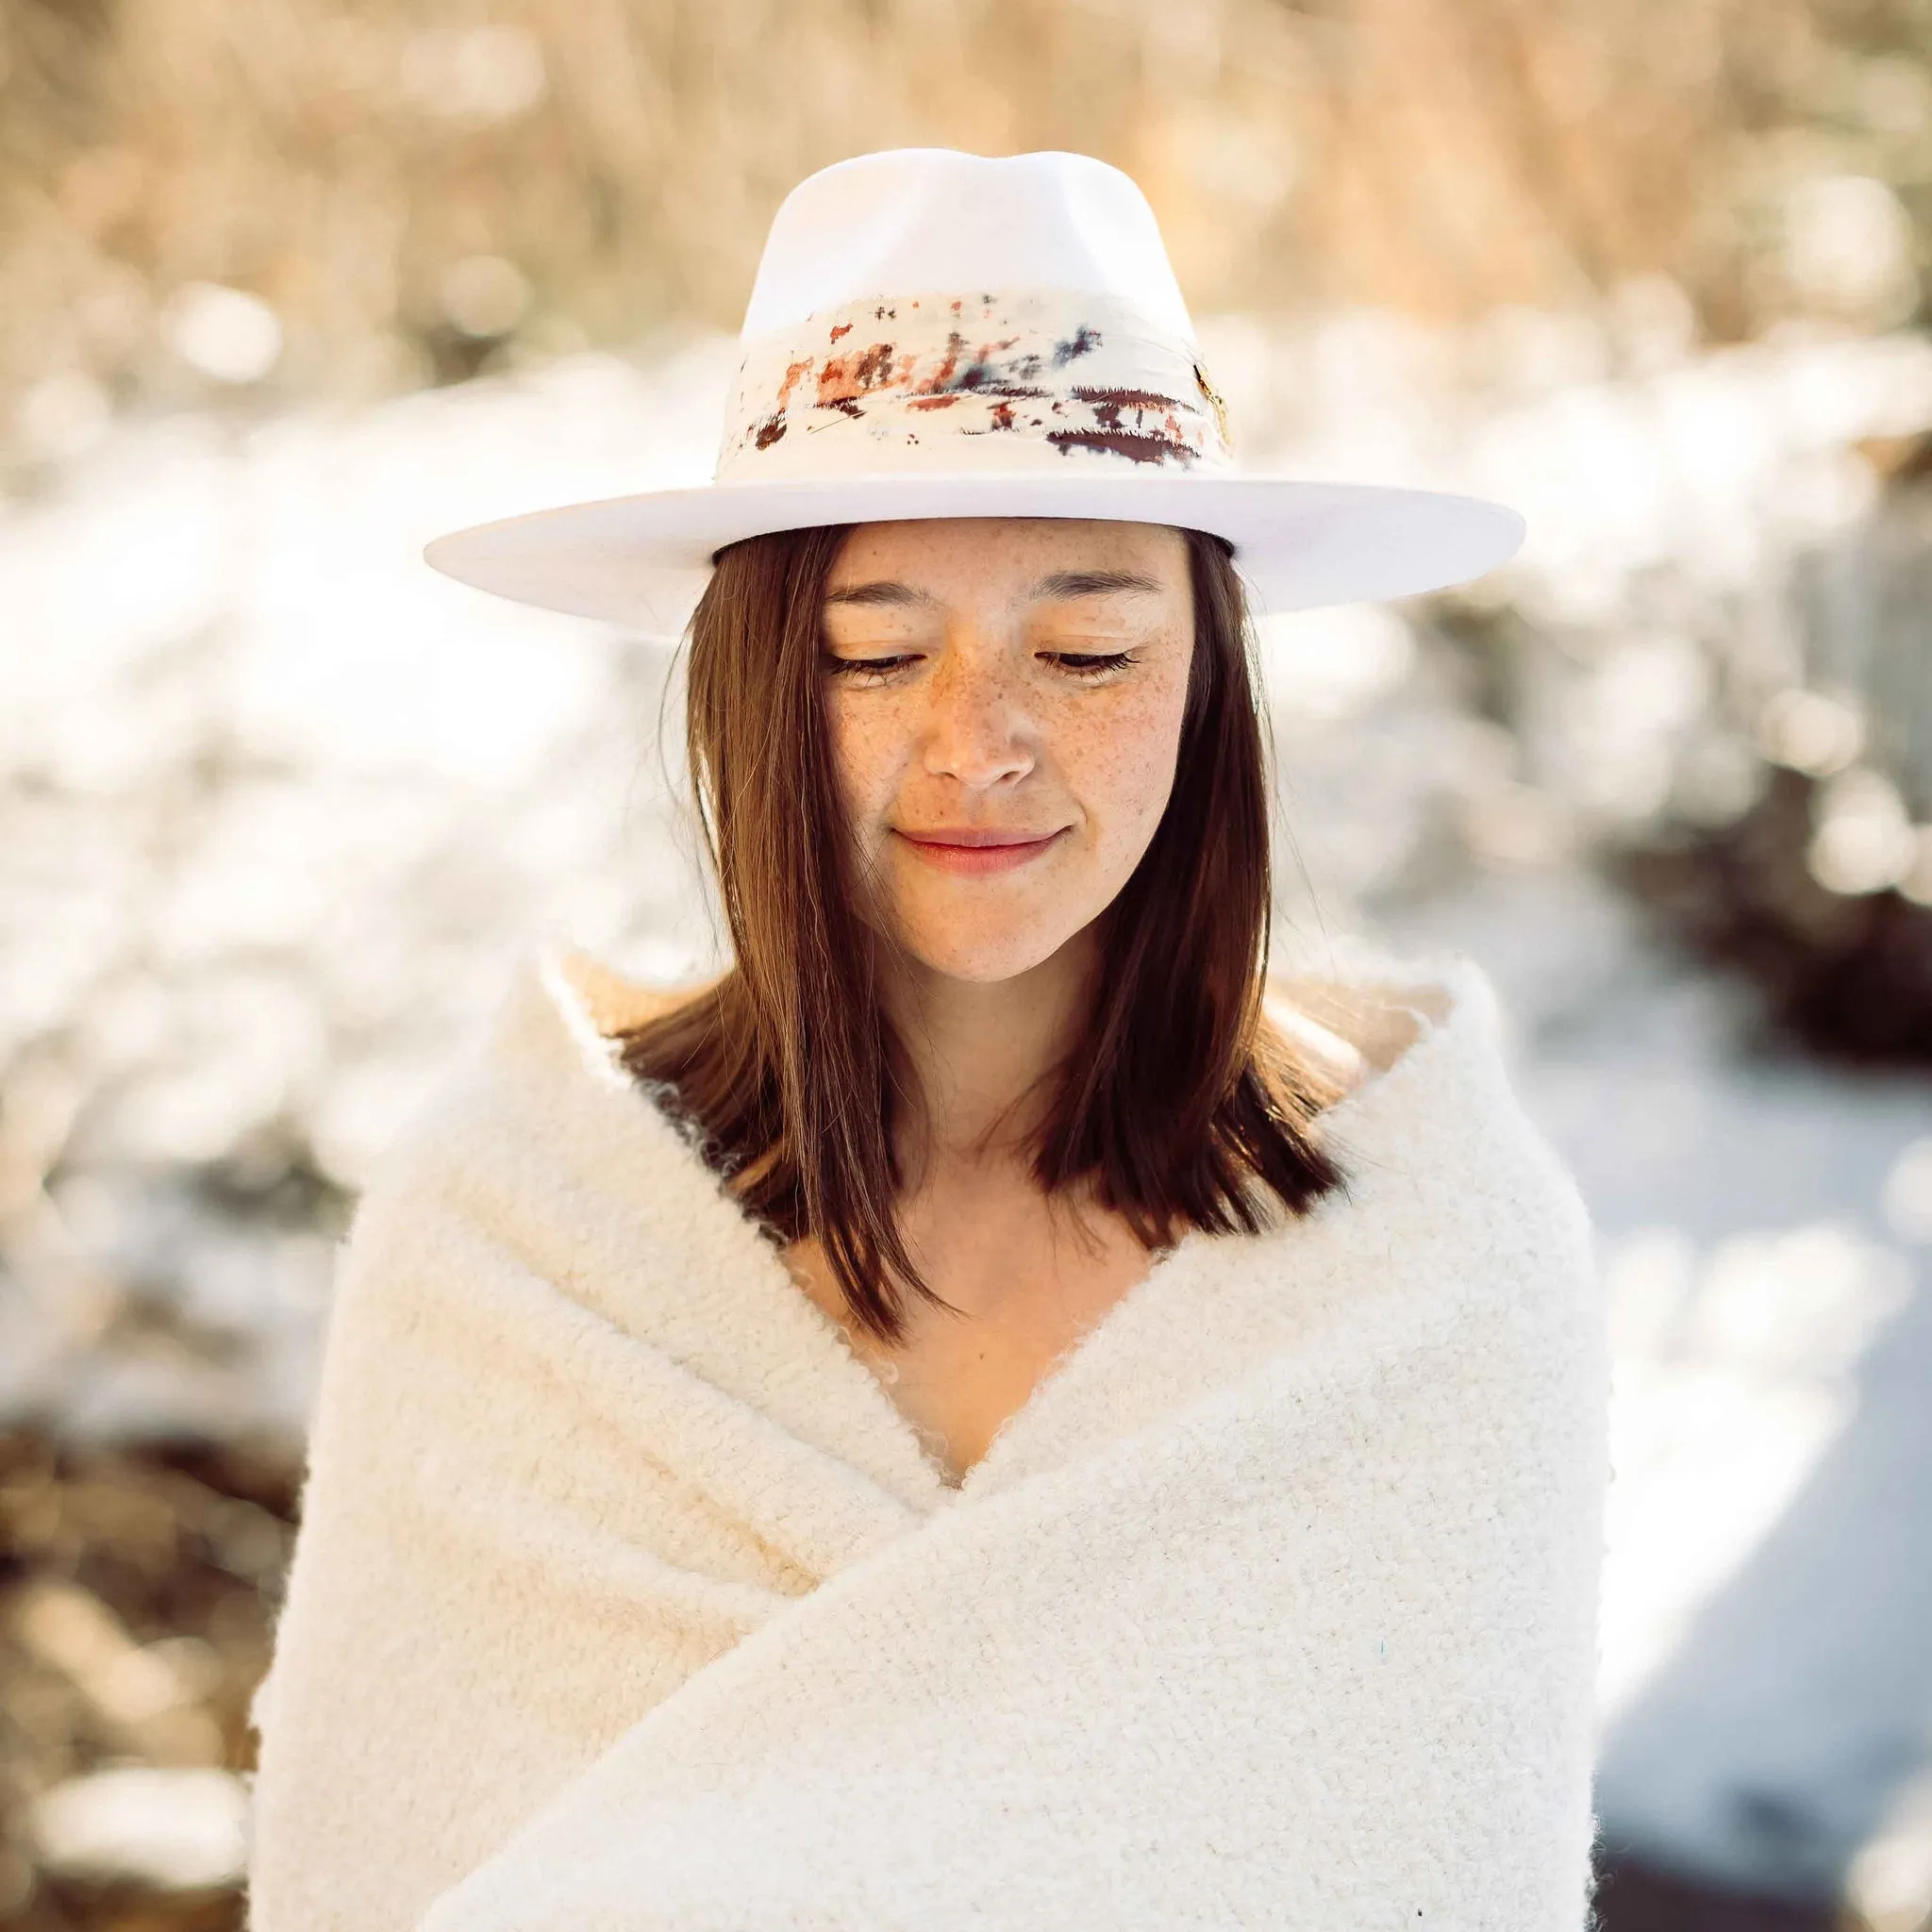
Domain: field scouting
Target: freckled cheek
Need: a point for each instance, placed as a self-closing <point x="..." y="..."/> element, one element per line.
<point x="868" y="754"/>
<point x="1121" y="766"/>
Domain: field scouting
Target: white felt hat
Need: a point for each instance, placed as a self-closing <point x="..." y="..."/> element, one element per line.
<point x="938" y="334"/>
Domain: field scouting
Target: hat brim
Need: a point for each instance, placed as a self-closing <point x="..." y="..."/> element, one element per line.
<point x="642" y="562"/>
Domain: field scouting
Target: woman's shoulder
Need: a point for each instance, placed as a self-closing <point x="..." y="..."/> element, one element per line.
<point x="1428" y="1041"/>
<point x="614" y="1001"/>
<point x="1359" y="1019"/>
<point x="1360" y="1031"/>
<point x="542" y="1067"/>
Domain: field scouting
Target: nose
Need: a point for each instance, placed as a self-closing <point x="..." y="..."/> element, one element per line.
<point x="976" y="730"/>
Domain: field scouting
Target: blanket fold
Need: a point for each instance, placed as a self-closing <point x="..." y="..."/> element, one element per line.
<point x="624" y="1598"/>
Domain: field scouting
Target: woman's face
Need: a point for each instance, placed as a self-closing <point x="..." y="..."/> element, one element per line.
<point x="1005" y="679"/>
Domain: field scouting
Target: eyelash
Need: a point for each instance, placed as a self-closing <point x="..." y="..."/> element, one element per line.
<point x="1082" y="664"/>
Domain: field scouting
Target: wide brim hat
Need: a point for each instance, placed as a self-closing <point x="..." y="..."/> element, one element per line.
<point x="939" y="334"/>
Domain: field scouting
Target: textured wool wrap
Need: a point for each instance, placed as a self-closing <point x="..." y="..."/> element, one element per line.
<point x="624" y="1598"/>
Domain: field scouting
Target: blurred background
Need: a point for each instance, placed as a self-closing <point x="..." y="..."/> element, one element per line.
<point x="287" y="289"/>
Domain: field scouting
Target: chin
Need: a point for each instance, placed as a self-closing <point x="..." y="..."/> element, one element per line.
<point x="987" y="957"/>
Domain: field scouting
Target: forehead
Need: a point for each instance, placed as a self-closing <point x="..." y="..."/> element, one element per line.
<point x="1005" y="550"/>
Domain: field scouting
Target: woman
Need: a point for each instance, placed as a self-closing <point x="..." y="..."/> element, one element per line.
<point x="989" y="1412"/>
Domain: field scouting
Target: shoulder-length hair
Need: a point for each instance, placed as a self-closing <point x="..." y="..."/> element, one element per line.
<point x="1178" y="1105"/>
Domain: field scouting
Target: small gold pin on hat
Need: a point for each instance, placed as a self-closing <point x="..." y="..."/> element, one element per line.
<point x="1218" y="406"/>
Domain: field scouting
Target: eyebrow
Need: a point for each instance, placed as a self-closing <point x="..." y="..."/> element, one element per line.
<point x="1064" y="583"/>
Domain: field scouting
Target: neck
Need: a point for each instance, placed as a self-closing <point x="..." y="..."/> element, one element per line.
<point x="981" y="1052"/>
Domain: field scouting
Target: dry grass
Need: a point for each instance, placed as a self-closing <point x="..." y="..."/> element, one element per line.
<point x="613" y="164"/>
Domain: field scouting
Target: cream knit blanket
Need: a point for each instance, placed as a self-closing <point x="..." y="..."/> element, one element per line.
<point x="625" y="1600"/>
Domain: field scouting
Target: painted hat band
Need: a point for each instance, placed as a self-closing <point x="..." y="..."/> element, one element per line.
<point x="1024" y="380"/>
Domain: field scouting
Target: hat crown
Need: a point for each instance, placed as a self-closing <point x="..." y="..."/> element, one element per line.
<point x="923" y="311"/>
<point x="910" y="220"/>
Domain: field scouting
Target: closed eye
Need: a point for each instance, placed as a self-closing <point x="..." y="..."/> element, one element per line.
<point x="1089" y="665"/>
<point x="860" y="667"/>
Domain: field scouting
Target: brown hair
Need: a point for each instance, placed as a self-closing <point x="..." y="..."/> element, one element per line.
<point x="1180" y="1101"/>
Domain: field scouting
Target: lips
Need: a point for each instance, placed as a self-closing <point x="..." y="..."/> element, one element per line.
<point x="967" y="835"/>
<point x="977" y="849"/>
